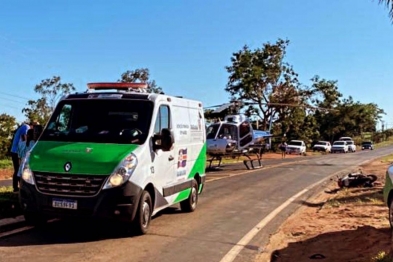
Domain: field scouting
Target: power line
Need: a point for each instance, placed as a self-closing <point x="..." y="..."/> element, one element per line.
<point x="10" y="100"/>
<point x="12" y="106"/>
<point x="21" y="97"/>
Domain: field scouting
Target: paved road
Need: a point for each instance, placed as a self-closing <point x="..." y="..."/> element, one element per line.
<point x="229" y="169"/>
<point x="228" y="209"/>
<point x="7" y="182"/>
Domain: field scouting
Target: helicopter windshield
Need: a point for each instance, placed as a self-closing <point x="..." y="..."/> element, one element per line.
<point x="223" y="131"/>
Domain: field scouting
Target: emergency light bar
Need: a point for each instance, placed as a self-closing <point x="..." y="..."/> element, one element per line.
<point x="118" y="86"/>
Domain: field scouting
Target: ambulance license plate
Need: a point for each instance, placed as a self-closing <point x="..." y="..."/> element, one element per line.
<point x="65" y="203"/>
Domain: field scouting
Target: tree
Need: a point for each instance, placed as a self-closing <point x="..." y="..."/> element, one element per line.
<point x="389" y="5"/>
<point x="261" y="79"/>
<point x="140" y="75"/>
<point x="337" y="117"/>
<point x="325" y="94"/>
<point x="7" y="127"/>
<point x="51" y="90"/>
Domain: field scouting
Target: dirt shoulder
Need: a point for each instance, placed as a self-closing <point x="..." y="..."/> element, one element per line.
<point x="6" y="174"/>
<point x="346" y="225"/>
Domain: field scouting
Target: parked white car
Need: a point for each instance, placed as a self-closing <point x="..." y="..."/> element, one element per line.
<point x="324" y="146"/>
<point x="340" y="146"/>
<point x="296" y="147"/>
<point x="351" y="146"/>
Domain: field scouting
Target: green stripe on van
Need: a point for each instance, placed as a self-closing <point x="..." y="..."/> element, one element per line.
<point x="198" y="168"/>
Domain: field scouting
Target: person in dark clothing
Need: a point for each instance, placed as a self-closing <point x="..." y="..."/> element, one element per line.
<point x="20" y="135"/>
<point x="283" y="148"/>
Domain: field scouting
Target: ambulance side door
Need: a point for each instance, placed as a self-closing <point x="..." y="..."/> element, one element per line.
<point x="163" y="165"/>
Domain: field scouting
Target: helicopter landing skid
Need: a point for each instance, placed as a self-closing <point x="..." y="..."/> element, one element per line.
<point x="215" y="158"/>
<point x="251" y="161"/>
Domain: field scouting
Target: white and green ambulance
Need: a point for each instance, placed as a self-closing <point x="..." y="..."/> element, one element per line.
<point x="116" y="151"/>
<point x="388" y="192"/>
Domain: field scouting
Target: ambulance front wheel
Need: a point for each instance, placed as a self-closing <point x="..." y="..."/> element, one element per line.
<point x="143" y="215"/>
<point x="190" y="204"/>
<point x="34" y="219"/>
<point x="391" y="212"/>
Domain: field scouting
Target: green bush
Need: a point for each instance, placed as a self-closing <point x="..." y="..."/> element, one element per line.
<point x="383" y="257"/>
<point x="5" y="164"/>
<point x="6" y="194"/>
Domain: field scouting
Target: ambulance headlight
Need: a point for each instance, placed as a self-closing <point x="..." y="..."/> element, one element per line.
<point x="25" y="171"/>
<point x="122" y="172"/>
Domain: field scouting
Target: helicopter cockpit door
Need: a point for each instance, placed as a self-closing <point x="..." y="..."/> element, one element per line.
<point x="245" y="135"/>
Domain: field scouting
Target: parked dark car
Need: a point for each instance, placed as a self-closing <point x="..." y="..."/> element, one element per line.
<point x="367" y="145"/>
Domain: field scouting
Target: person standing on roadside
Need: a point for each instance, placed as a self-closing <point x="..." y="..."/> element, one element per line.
<point x="283" y="148"/>
<point x="20" y="135"/>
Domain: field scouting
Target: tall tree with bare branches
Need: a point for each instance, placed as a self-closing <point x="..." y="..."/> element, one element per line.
<point x="389" y="5"/>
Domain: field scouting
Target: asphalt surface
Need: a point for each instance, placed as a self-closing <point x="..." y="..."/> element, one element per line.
<point x="228" y="209"/>
<point x="6" y="182"/>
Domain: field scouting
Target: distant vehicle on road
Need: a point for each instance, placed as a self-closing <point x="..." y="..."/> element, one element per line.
<point x="345" y="138"/>
<point x="367" y="145"/>
<point x="324" y="146"/>
<point x="351" y="146"/>
<point x="296" y="146"/>
<point x="340" y="146"/>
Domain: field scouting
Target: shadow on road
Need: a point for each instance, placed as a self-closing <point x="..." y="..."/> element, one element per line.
<point x="69" y="231"/>
<point x="346" y="245"/>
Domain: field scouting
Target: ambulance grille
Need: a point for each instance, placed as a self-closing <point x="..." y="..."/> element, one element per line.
<point x="69" y="185"/>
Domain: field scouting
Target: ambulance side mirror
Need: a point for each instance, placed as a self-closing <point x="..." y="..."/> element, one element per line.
<point x="164" y="140"/>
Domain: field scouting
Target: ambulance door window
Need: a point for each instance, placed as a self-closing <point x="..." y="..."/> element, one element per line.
<point x="163" y="119"/>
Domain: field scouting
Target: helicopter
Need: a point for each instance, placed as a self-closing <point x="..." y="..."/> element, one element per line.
<point x="235" y="136"/>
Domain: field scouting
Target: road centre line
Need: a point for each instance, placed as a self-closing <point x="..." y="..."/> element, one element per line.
<point x="18" y="230"/>
<point x="238" y="247"/>
<point x="22" y="229"/>
<point x="255" y="170"/>
<point x="15" y="231"/>
<point x="232" y="254"/>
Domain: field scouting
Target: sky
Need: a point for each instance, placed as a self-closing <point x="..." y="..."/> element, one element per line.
<point x="187" y="44"/>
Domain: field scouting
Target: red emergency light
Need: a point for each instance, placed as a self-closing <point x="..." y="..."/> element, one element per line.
<point x="116" y="85"/>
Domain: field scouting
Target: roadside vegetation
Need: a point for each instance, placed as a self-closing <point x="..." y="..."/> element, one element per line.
<point x="383" y="257"/>
<point x="5" y="163"/>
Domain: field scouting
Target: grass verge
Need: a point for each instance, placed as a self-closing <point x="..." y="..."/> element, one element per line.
<point x="383" y="257"/>
<point x="5" y="164"/>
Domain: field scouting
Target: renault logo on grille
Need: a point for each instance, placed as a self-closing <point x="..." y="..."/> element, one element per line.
<point x="67" y="166"/>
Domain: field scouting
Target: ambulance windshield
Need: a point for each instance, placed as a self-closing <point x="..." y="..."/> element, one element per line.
<point x="100" y="121"/>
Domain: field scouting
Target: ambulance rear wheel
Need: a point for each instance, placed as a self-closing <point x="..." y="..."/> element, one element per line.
<point x="190" y="204"/>
<point x="143" y="215"/>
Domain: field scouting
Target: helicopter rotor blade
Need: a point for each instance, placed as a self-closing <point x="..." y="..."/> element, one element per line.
<point x="214" y="106"/>
<point x="222" y="108"/>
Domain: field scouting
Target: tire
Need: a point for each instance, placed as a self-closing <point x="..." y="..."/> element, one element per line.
<point x="190" y="204"/>
<point x="35" y="219"/>
<point x="142" y="218"/>
<point x="391" y="213"/>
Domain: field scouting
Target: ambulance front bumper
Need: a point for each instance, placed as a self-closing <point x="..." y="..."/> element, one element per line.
<point x="118" y="203"/>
